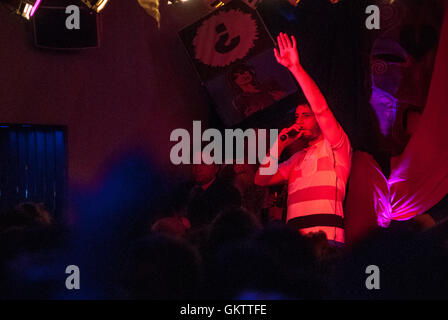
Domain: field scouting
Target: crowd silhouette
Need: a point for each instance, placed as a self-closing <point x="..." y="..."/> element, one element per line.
<point x="234" y="253"/>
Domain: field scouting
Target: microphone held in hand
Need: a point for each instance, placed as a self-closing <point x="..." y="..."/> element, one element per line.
<point x="291" y="134"/>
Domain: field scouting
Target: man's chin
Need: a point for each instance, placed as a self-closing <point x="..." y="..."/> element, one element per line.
<point x="308" y="136"/>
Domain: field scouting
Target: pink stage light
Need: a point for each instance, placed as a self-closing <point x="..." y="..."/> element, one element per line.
<point x="33" y="10"/>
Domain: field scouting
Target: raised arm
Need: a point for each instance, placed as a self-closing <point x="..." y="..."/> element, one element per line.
<point x="288" y="56"/>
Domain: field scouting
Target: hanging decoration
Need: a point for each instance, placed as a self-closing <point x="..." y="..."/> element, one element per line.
<point x="152" y="8"/>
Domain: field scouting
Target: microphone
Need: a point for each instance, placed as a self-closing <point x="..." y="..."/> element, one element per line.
<point x="291" y="134"/>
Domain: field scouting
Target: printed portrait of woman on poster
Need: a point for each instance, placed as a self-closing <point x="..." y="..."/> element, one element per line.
<point x="250" y="95"/>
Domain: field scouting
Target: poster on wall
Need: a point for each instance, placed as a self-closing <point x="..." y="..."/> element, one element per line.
<point x="232" y="52"/>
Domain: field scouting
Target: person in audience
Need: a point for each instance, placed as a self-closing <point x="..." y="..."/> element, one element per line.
<point x="232" y="225"/>
<point x="160" y="267"/>
<point x="209" y="195"/>
<point x="254" y="198"/>
<point x="274" y="262"/>
<point x="176" y="226"/>
<point x="174" y="220"/>
<point x="26" y="214"/>
<point x="30" y="246"/>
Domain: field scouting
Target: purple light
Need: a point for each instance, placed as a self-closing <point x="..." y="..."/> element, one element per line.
<point x="35" y="7"/>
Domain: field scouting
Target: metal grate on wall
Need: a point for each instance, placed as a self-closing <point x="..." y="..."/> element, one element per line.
<point x="33" y="166"/>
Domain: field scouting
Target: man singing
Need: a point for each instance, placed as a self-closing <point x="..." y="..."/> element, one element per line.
<point x="316" y="175"/>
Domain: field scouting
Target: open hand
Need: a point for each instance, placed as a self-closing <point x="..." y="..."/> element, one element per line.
<point x="288" y="55"/>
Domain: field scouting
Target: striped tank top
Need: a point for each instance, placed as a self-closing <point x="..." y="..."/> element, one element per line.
<point x="317" y="178"/>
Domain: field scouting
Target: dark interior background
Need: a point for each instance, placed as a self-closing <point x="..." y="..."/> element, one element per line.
<point x="121" y="101"/>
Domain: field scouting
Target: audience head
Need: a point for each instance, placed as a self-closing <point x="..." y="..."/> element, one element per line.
<point x="161" y="267"/>
<point x="232" y="225"/>
<point x="203" y="173"/>
<point x="171" y="226"/>
<point x="27" y="214"/>
<point x="244" y="173"/>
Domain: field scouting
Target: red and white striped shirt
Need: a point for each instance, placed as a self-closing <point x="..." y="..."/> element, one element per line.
<point x="317" y="177"/>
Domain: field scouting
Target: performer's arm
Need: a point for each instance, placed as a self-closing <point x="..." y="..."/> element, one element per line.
<point x="269" y="180"/>
<point x="289" y="57"/>
<point x="274" y="154"/>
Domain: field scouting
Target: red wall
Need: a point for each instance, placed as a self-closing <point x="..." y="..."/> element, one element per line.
<point x="128" y="94"/>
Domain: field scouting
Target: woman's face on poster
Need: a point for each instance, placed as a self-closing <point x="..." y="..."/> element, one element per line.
<point x="242" y="78"/>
